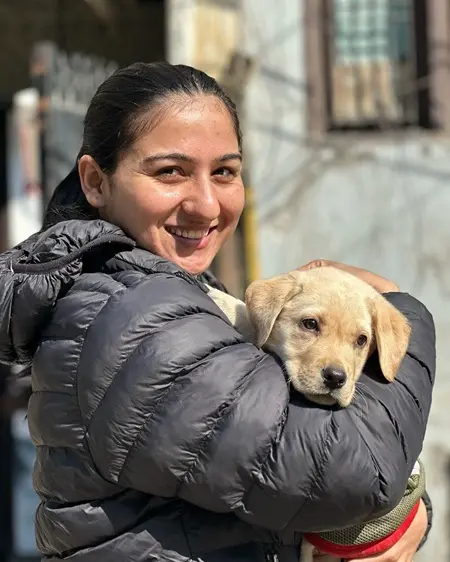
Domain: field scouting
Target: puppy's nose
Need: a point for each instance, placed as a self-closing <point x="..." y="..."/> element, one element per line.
<point x="333" y="377"/>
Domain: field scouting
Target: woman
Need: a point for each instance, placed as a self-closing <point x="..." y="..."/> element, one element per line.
<point x="161" y="434"/>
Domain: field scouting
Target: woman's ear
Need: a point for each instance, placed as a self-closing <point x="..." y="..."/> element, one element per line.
<point x="94" y="182"/>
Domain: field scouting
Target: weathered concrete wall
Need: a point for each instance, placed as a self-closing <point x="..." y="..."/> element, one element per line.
<point x="202" y="33"/>
<point x="380" y="202"/>
<point x="383" y="206"/>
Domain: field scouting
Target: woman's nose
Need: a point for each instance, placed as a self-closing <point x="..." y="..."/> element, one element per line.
<point x="202" y="201"/>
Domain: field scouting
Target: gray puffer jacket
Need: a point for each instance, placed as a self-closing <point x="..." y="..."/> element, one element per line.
<point x="162" y="435"/>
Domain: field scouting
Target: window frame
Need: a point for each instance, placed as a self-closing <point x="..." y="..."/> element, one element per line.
<point x="432" y="31"/>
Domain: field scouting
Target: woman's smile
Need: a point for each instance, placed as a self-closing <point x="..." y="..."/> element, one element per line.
<point x="196" y="239"/>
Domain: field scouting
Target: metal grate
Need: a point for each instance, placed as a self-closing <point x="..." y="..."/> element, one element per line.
<point x="372" y="63"/>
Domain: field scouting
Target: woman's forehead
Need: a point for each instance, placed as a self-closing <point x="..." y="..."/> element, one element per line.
<point x="201" y="124"/>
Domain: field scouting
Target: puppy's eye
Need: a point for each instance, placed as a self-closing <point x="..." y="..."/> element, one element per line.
<point x="361" y="341"/>
<point x="310" y="324"/>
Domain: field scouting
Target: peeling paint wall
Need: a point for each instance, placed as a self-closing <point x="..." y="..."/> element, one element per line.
<point x="202" y="33"/>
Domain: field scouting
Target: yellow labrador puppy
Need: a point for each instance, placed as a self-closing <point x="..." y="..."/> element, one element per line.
<point x="323" y="323"/>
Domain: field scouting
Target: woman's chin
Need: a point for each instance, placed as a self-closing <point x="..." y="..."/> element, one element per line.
<point x="195" y="264"/>
<point x="193" y="258"/>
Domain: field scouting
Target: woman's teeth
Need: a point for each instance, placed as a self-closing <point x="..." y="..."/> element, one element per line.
<point x="191" y="234"/>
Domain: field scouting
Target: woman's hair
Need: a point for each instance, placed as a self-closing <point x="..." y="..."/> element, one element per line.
<point x="118" y="115"/>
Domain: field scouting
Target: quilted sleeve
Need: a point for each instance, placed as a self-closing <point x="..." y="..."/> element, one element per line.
<point x="176" y="404"/>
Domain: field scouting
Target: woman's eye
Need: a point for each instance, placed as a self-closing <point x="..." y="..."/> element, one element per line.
<point x="310" y="324"/>
<point x="169" y="172"/>
<point x="225" y="173"/>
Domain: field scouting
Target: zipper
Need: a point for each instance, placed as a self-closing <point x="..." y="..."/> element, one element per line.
<point x="272" y="556"/>
<point x="271" y="552"/>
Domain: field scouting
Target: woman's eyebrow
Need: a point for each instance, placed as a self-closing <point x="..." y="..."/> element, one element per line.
<point x="185" y="158"/>
<point x="231" y="156"/>
<point x="167" y="156"/>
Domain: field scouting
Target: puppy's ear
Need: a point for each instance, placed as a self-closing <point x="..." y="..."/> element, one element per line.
<point x="392" y="333"/>
<point x="265" y="299"/>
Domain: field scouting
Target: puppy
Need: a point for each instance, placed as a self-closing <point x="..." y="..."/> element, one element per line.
<point x="323" y="323"/>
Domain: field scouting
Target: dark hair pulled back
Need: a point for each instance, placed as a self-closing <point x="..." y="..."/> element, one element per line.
<point x="114" y="120"/>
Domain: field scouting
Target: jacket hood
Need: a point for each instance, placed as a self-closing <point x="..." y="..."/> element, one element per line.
<point x="36" y="273"/>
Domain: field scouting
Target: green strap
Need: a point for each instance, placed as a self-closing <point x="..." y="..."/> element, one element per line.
<point x="387" y="524"/>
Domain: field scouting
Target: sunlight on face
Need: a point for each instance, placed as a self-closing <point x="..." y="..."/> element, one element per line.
<point x="178" y="191"/>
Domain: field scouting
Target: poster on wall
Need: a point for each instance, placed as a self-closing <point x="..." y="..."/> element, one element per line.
<point x="24" y="206"/>
<point x="66" y="83"/>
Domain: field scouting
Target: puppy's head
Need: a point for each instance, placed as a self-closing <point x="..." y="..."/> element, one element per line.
<point x="324" y="323"/>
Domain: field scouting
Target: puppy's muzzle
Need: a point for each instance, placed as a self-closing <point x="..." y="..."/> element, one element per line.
<point x="333" y="377"/>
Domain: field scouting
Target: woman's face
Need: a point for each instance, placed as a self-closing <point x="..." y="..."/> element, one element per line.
<point x="178" y="191"/>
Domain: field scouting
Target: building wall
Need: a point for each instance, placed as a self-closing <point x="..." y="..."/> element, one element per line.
<point x="202" y="33"/>
<point x="378" y="201"/>
<point x="119" y="30"/>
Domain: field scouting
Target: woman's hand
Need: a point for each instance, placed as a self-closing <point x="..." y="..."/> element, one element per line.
<point x="379" y="283"/>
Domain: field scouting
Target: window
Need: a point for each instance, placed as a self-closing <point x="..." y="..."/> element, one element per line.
<point x="373" y="57"/>
<point x="372" y="63"/>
